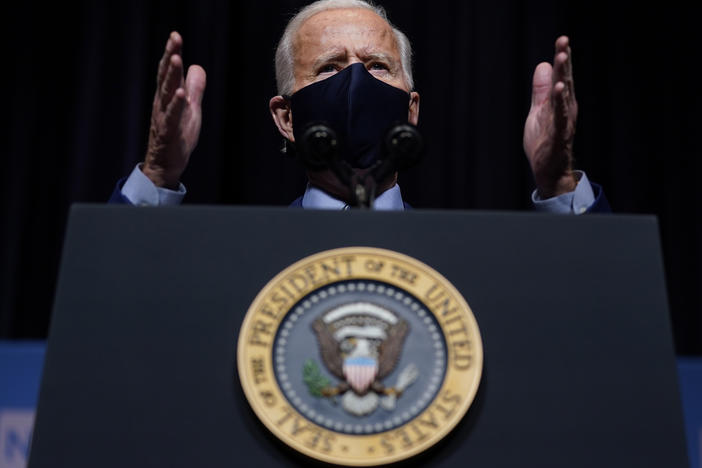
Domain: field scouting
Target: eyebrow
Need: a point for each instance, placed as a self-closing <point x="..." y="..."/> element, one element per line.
<point x="333" y="55"/>
<point x="340" y="54"/>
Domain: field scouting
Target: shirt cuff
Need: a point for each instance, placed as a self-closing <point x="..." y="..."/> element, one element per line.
<point x="576" y="202"/>
<point x="139" y="190"/>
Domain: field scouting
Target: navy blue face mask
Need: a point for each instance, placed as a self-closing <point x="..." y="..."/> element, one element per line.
<point x="357" y="106"/>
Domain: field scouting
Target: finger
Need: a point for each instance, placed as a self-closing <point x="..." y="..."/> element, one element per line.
<point x="172" y="81"/>
<point x="569" y="79"/>
<point x="562" y="43"/>
<point x="560" y="67"/>
<point x="174" y="45"/>
<point x="560" y="107"/>
<point x="195" y="84"/>
<point x="541" y="83"/>
<point x="563" y="64"/>
<point x="174" y="111"/>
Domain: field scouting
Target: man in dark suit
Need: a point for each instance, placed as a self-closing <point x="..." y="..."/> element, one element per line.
<point x="335" y="59"/>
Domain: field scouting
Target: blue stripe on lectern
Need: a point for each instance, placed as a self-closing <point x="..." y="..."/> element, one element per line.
<point x="20" y="372"/>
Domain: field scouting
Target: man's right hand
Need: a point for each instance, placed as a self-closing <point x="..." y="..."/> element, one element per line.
<point x="176" y="117"/>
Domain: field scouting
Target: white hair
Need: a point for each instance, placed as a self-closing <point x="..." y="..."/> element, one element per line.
<point x="284" y="61"/>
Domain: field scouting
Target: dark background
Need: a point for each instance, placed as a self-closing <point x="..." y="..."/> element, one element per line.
<point x="79" y="81"/>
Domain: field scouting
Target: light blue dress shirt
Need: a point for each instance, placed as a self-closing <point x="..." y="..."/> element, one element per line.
<point x="139" y="190"/>
<point x="314" y="198"/>
<point x="575" y="202"/>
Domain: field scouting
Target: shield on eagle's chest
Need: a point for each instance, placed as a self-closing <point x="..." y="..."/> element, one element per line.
<point x="360" y="372"/>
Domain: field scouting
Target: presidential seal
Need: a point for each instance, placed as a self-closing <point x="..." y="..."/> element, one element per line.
<point x="359" y="356"/>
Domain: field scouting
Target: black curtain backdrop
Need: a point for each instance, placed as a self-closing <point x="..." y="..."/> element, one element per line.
<point x="80" y="79"/>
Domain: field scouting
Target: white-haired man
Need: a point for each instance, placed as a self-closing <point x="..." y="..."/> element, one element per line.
<point x="335" y="61"/>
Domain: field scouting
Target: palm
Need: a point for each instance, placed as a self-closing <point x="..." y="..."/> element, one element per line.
<point x="550" y="126"/>
<point x="175" y="143"/>
<point x="176" y="117"/>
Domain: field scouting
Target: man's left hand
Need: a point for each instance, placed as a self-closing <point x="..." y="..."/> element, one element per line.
<point x="550" y="125"/>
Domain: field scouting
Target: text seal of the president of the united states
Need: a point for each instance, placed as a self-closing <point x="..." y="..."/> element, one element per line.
<point x="360" y="356"/>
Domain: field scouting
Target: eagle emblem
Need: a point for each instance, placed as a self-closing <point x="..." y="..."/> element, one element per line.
<point x="360" y="344"/>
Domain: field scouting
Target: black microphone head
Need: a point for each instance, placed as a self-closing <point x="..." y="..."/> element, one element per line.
<point x="404" y="145"/>
<point x="319" y="146"/>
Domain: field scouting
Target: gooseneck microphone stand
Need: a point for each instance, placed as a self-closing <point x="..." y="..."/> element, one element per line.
<point x="402" y="148"/>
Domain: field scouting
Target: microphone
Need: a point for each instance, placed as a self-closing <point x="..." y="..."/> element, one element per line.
<point x="319" y="146"/>
<point x="404" y="145"/>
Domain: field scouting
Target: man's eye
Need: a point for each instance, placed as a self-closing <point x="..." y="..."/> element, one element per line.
<point x="327" y="69"/>
<point x="378" y="66"/>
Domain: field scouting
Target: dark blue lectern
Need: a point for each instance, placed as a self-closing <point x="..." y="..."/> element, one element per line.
<point x="141" y="360"/>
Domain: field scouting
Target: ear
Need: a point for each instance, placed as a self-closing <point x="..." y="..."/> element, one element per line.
<point x="282" y="116"/>
<point x="413" y="113"/>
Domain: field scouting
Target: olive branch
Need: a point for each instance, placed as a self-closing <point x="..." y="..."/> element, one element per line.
<point x="313" y="378"/>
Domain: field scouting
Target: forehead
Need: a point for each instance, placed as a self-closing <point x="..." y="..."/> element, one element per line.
<point x="353" y="28"/>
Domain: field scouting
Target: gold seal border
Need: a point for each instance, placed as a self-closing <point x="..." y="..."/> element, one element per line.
<point x="451" y="311"/>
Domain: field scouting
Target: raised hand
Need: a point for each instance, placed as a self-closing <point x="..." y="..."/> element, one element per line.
<point x="550" y="126"/>
<point x="176" y="116"/>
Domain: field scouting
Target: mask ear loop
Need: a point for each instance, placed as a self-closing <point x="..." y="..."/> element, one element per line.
<point x="287" y="144"/>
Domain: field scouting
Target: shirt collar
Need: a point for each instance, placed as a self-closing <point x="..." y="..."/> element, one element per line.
<point x="316" y="199"/>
